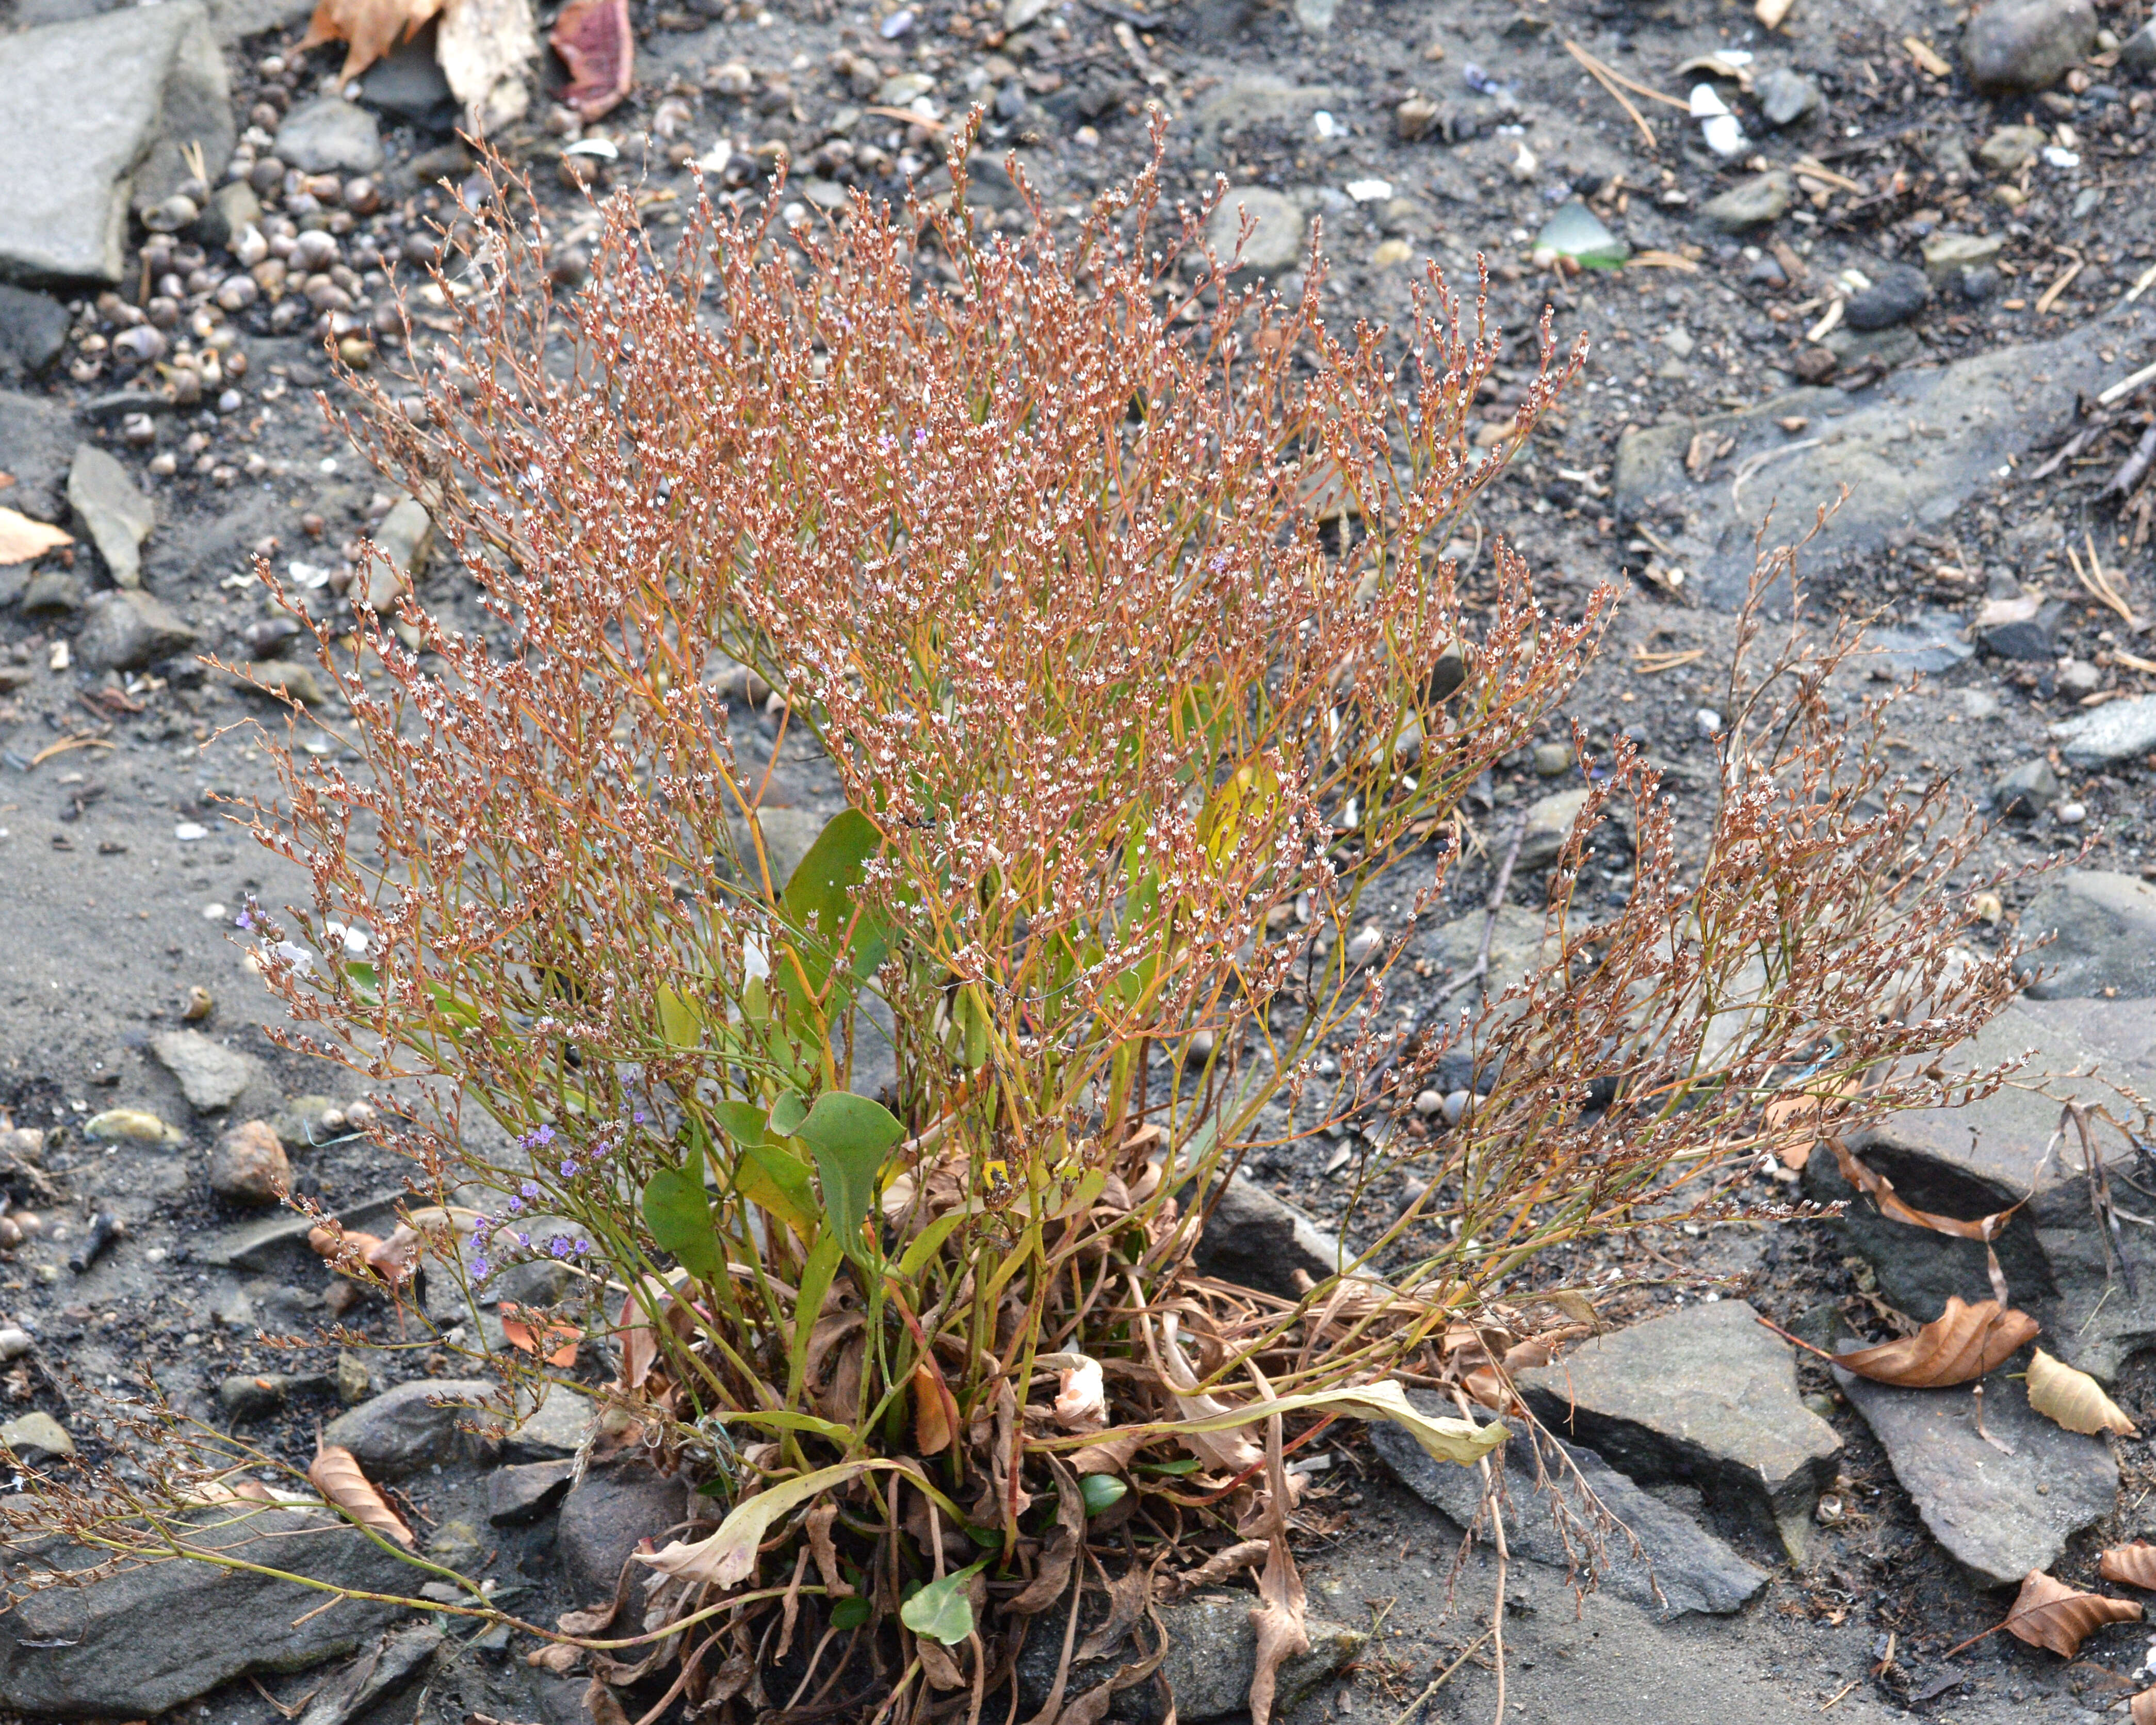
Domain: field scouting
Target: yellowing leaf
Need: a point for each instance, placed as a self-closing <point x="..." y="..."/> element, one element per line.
<point x="369" y="28"/>
<point x="22" y="539"/>
<point x="2074" y="1399"/>
<point x="1445" y="1440"/>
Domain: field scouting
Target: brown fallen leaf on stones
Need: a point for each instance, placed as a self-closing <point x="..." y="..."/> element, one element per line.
<point x="2074" y="1399"/>
<point x="347" y="1249"/>
<point x="2134" y="1564"/>
<point x="595" y="42"/>
<point x="2049" y="1613"/>
<point x="368" y="28"/>
<point x="2142" y="1709"/>
<point x="336" y="1473"/>
<point x="1963" y="1342"/>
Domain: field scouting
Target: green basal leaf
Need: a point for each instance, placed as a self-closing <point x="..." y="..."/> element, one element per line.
<point x="787" y="1113"/>
<point x="1187" y="1464"/>
<point x="679" y="1217"/>
<point x="941" y="1610"/>
<point x="818" y="900"/>
<point x="850" y="1135"/>
<point x="850" y="1614"/>
<point x="1099" y="1490"/>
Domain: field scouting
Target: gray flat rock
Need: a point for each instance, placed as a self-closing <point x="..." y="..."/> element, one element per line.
<point x="1696" y="1571"/>
<point x="331" y="135"/>
<point x="2000" y="1515"/>
<point x="37" y="443"/>
<point x="142" y="1643"/>
<point x="128" y="629"/>
<point x="33" y="330"/>
<point x="2103" y="930"/>
<point x="406" y="1429"/>
<point x="114" y="513"/>
<point x="97" y="112"/>
<point x="1922" y="442"/>
<point x="1705" y="1393"/>
<point x="525" y="1493"/>
<point x="554" y="1430"/>
<point x="1970" y="1162"/>
<point x="2118" y="731"/>
<point x="211" y="1076"/>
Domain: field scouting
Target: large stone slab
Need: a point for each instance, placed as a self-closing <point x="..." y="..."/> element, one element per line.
<point x="2001" y="1515"/>
<point x="1970" y="1162"/>
<point x="1687" y="1568"/>
<point x="97" y="113"/>
<point x="1914" y="448"/>
<point x="142" y="1642"/>
<point x="2103" y="930"/>
<point x="1705" y="1393"/>
<point x="1259" y="1242"/>
<point x="413" y="1425"/>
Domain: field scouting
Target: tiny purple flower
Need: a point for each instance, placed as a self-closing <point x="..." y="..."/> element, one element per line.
<point x="515" y="1206"/>
<point x="481" y="1270"/>
<point x="529" y="1189"/>
<point x="559" y="1245"/>
<point x="569" y="1168"/>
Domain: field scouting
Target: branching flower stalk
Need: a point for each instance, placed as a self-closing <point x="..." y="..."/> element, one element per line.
<point x="1114" y="599"/>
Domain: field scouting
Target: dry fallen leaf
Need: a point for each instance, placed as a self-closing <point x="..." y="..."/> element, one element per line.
<point x="1963" y="1342"/>
<point x="22" y="539"/>
<point x="531" y="1332"/>
<point x="2134" y="1564"/>
<point x="347" y="1250"/>
<point x="2049" y="1614"/>
<point x="369" y="28"/>
<point x="595" y="42"/>
<point x="2074" y="1399"/>
<point x="935" y="1414"/>
<point x="2141" y="1710"/>
<point x="335" y="1472"/>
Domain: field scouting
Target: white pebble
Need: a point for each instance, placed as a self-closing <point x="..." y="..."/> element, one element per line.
<point x="188" y="831"/>
<point x="1455" y="1104"/>
<point x="1365" y="945"/>
<point x="1708" y="721"/>
<point x="2072" y="814"/>
<point x="1428" y="1102"/>
<point x="14" y="1344"/>
<point x="214" y="912"/>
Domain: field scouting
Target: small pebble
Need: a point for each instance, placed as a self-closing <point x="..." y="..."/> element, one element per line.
<point x="1708" y="722"/>
<point x="2071" y="814"/>
<point x="1428" y="1102"/>
<point x="1454" y="1105"/>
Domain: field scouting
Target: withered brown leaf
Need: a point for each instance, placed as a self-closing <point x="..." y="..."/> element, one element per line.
<point x="2134" y="1564"/>
<point x="2049" y="1613"/>
<point x="2074" y="1399"/>
<point x="1963" y="1342"/>
<point x="2142" y="1709"/>
<point x="369" y="28"/>
<point x="336" y="1473"/>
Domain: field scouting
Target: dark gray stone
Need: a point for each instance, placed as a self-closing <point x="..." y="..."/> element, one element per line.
<point x="37" y="442"/>
<point x="1750" y="203"/>
<point x="2000" y="1515"/>
<point x="53" y="592"/>
<point x="556" y="1428"/>
<point x="1704" y="1394"/>
<point x="2026" y="791"/>
<point x="1693" y="1570"/>
<point x="33" y="330"/>
<point x="1927" y="440"/>
<point x="1786" y="96"/>
<point x="96" y="113"/>
<point x="515" y="1496"/>
<point x="391" y="1664"/>
<point x="2137" y="53"/>
<point x="2026" y="44"/>
<point x="2025" y="627"/>
<point x="409" y="85"/>
<point x="406" y="1429"/>
<point x="2118" y="731"/>
<point x="2103" y="928"/>
<point x="331" y="135"/>
<point x="231" y="209"/>
<point x="1212" y="1656"/>
<point x="1992" y="1154"/>
<point x="140" y="1643"/>
<point x="1256" y="1240"/>
<point x="111" y="511"/>
<point x="1898" y="295"/>
<point x="1929" y="643"/>
<point x="125" y="630"/>
<point x="211" y="1076"/>
<point x="605" y="1515"/>
<point x="1549" y="826"/>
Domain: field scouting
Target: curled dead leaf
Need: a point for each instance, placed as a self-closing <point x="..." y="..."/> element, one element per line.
<point x="1963" y="1342"/>
<point x="595" y="42"/>
<point x="2142" y="1709"/>
<point x="2049" y="1613"/>
<point x="1082" y="1397"/>
<point x="345" y="1249"/>
<point x="2134" y="1564"/>
<point x="935" y="1413"/>
<point x="336" y="1473"/>
<point x="2074" y="1399"/>
<point x="531" y="1333"/>
<point x="369" y="28"/>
